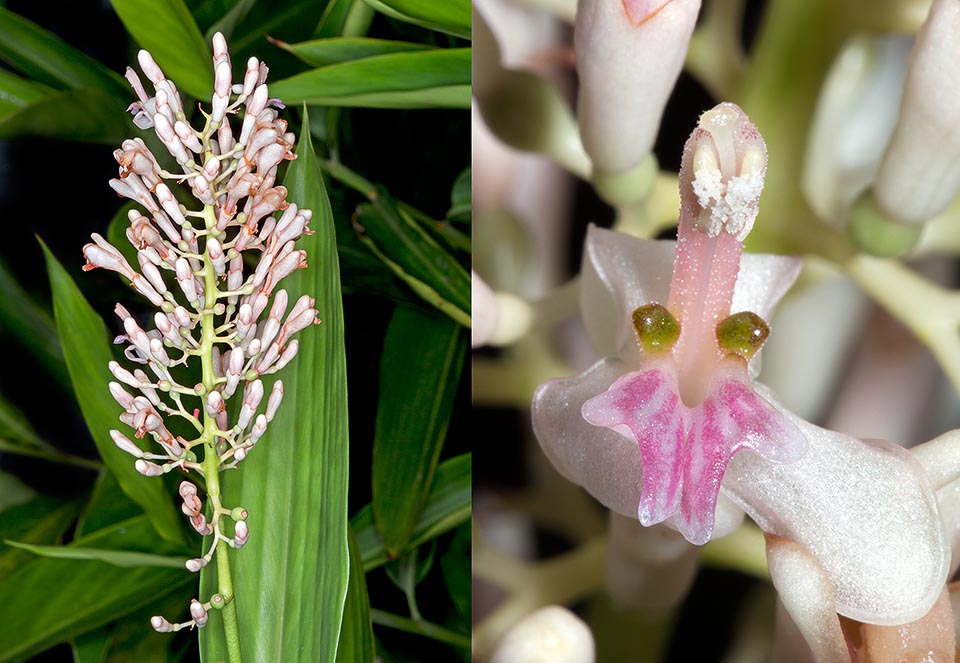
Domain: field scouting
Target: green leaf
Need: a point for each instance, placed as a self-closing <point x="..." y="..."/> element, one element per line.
<point x="356" y="633"/>
<point x="294" y="483"/>
<point x="43" y="519"/>
<point x="447" y="506"/>
<point x="91" y="647"/>
<point x="461" y="198"/>
<point x="324" y="52"/>
<point x="419" y="374"/>
<point x="450" y="16"/>
<point x="108" y="505"/>
<point x="13" y="492"/>
<point x="15" y="426"/>
<point x="17" y="92"/>
<point x="87" y="594"/>
<point x="229" y="20"/>
<point x="47" y="58"/>
<point x="455" y="565"/>
<point x="122" y="558"/>
<point x="416" y="257"/>
<point x="168" y="31"/>
<point x="31" y="324"/>
<point x="347" y="18"/>
<point x="89" y="115"/>
<point x="435" y="78"/>
<point x="87" y="351"/>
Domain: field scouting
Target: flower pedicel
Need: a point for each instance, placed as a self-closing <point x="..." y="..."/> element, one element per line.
<point x="216" y="312"/>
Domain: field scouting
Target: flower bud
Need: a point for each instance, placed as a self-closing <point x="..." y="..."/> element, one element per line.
<point x="160" y="625"/>
<point x="273" y="403"/>
<point x="148" y="469"/>
<point x="194" y="565"/>
<point x="629" y="55"/>
<point x="199" y="613"/>
<point x="124" y="443"/>
<point x="240" y="534"/>
<point x="920" y="171"/>
<point x="551" y="634"/>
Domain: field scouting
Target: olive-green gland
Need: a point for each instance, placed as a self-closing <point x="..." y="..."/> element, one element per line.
<point x="742" y="334"/>
<point x="656" y="327"/>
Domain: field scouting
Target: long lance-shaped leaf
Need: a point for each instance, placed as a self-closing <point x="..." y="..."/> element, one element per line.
<point x="419" y="373"/>
<point x="43" y="519"/>
<point x="436" y="78"/>
<point x="127" y="559"/>
<point x="31" y="324"/>
<point x="450" y="16"/>
<point x="168" y="31"/>
<point x="447" y="506"/>
<point x="290" y="580"/>
<point x="40" y="54"/>
<point x="356" y="633"/>
<point x="417" y="258"/>
<point x="90" y="116"/>
<point x="324" y="52"/>
<point x="58" y="599"/>
<point x="83" y="337"/>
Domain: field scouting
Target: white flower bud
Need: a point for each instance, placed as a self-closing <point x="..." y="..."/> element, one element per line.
<point x="148" y="469"/>
<point x="125" y="444"/>
<point x="629" y="55"/>
<point x="240" y="534"/>
<point x="273" y="403"/>
<point x="194" y="565"/>
<point x="920" y="172"/>
<point x="149" y="67"/>
<point x="160" y="625"/>
<point x="213" y="403"/>
<point x="288" y="354"/>
<point x="550" y="634"/>
<point x="259" y="428"/>
<point x="199" y="613"/>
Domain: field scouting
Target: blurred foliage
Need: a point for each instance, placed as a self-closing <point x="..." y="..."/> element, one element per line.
<point x="88" y="548"/>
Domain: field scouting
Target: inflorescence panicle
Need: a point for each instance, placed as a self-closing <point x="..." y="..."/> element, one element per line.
<point x="191" y="266"/>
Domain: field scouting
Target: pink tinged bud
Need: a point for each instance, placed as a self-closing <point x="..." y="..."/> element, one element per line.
<point x="222" y="420"/>
<point x="136" y="84"/>
<point x="201" y="189"/>
<point x="284" y="268"/>
<point x="170" y="204"/>
<point x="634" y="45"/>
<point x="240" y="454"/>
<point x="183" y="318"/>
<point x="251" y="76"/>
<point x="187" y="282"/>
<point x="214" y="403"/>
<point x="221" y="95"/>
<point x="235" y="367"/>
<point x="254" y="346"/>
<point x="240" y="534"/>
<point x="160" y="625"/>
<point x="269" y="331"/>
<point x="148" y="469"/>
<point x="156" y="349"/>
<point x="217" y="257"/>
<point x="187" y="489"/>
<point x="170" y="140"/>
<point x="260" y="139"/>
<point x="199" y="613"/>
<point x="225" y="138"/>
<point x="194" y="565"/>
<point x="235" y="273"/>
<point x="124" y="399"/>
<point x="200" y="524"/>
<point x="288" y="354"/>
<point x="279" y="305"/>
<point x="123" y="375"/>
<point x="153" y="276"/>
<point x="259" y="428"/>
<point x="149" y="67"/>
<point x="103" y="254"/>
<point x="263" y="267"/>
<point x="144" y="288"/>
<point x="920" y="172"/>
<point x="188" y="137"/>
<point x="252" y="395"/>
<point x="273" y="403"/>
<point x="125" y="444"/>
<point x="258" y="303"/>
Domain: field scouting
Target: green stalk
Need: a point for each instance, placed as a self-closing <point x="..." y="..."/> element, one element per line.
<point x="211" y="459"/>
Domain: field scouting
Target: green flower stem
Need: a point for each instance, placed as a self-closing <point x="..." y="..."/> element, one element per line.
<point x="420" y="627"/>
<point x="931" y="312"/>
<point x="211" y="459"/>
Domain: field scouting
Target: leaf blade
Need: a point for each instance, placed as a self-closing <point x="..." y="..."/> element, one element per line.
<point x="167" y="29"/>
<point x="419" y="373"/>
<point x="450" y="16"/>
<point x="84" y="340"/>
<point x="434" y="78"/>
<point x="291" y="584"/>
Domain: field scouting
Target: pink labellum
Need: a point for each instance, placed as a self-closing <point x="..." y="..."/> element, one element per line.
<point x="645" y="406"/>
<point x="733" y="417"/>
<point x="638" y="11"/>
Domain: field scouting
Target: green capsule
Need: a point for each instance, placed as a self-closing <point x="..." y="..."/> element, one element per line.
<point x="656" y="327"/>
<point x="742" y="334"/>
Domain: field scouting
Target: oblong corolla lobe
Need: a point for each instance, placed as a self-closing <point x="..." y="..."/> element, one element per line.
<point x="865" y="509"/>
